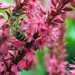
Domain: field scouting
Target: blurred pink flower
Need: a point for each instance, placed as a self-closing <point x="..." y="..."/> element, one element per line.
<point x="1" y="32"/>
<point x="14" y="68"/>
<point x="55" y="62"/>
<point x="2" y="67"/>
<point x="73" y="2"/>
<point x="3" y="22"/>
<point x="4" y="6"/>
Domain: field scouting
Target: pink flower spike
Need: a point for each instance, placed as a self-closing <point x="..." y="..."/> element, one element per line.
<point x="4" y="6"/>
<point x="2" y="22"/>
<point x="1" y="15"/>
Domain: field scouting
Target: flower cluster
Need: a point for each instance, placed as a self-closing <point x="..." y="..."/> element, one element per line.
<point x="37" y="28"/>
<point x="55" y="59"/>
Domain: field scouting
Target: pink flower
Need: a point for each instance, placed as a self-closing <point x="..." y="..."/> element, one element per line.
<point x="4" y="6"/>
<point x="27" y="62"/>
<point x="1" y="32"/>
<point x="4" y="48"/>
<point x="6" y="32"/>
<point x="29" y="56"/>
<point x="29" y="59"/>
<point x="3" y="22"/>
<point x="55" y="32"/>
<point x="18" y="44"/>
<point x="58" y="19"/>
<point x="2" y="39"/>
<point x="73" y="3"/>
<point x="14" y="68"/>
<point x="21" y="65"/>
<point x="2" y="67"/>
<point x="34" y="8"/>
<point x="41" y="43"/>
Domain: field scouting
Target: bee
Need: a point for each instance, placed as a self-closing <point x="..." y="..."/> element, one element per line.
<point x="14" y="24"/>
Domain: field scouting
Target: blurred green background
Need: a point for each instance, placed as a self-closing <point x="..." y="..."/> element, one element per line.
<point x="40" y="68"/>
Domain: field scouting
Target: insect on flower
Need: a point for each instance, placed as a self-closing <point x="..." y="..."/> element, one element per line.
<point x="14" y="23"/>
